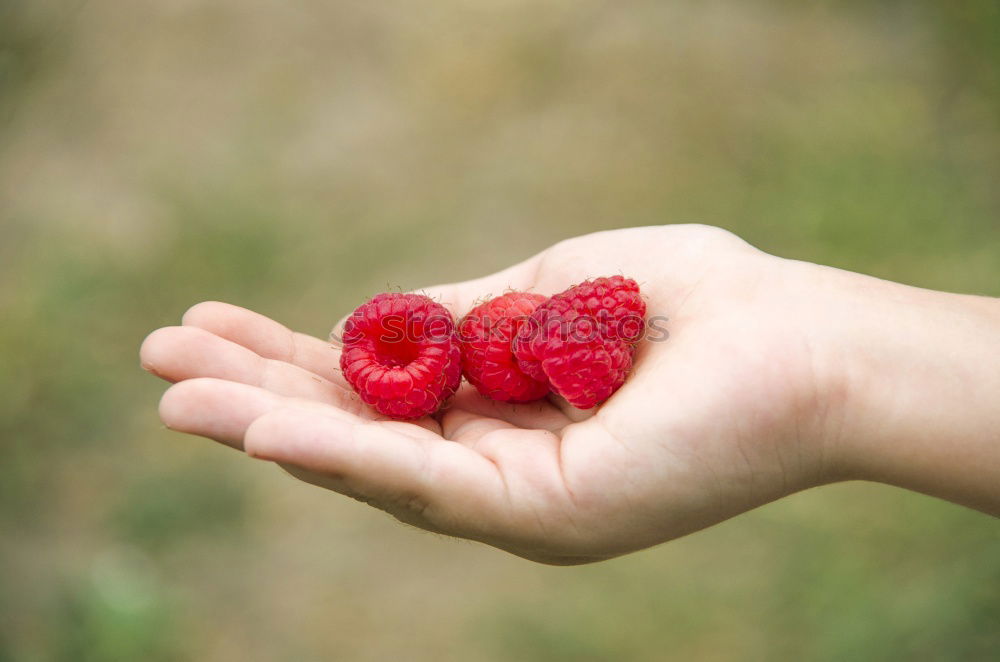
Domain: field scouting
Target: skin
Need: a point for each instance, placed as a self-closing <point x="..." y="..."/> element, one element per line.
<point x="777" y="376"/>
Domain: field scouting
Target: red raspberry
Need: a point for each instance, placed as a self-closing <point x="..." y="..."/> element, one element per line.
<point x="486" y="333"/>
<point x="581" y="340"/>
<point x="401" y="354"/>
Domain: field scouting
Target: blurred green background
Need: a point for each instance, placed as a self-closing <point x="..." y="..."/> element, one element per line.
<point x="297" y="157"/>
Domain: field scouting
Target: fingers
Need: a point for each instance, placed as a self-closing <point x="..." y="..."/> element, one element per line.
<point x="177" y="353"/>
<point x="434" y="484"/>
<point x="267" y="338"/>
<point x="222" y="410"/>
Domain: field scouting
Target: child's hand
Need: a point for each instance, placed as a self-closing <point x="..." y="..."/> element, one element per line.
<point x="750" y="398"/>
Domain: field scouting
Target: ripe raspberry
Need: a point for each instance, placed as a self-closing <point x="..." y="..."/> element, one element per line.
<point x="485" y="334"/>
<point x="581" y="340"/>
<point x="401" y="354"/>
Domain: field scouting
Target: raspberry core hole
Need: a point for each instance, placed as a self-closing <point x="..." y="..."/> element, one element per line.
<point x="396" y="352"/>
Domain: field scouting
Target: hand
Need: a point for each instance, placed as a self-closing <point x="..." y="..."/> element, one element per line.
<point x="744" y="403"/>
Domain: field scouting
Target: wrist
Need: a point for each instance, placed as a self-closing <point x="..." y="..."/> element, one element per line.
<point x="917" y="389"/>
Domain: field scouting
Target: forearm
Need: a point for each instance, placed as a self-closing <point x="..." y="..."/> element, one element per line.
<point x="920" y="384"/>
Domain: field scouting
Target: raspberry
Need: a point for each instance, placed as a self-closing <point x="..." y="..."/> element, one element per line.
<point x="581" y="340"/>
<point x="485" y="334"/>
<point x="401" y="354"/>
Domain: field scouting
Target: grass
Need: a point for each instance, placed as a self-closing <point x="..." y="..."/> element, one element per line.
<point x="297" y="160"/>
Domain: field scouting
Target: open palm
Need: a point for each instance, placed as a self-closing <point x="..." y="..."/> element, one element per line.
<point x="721" y="416"/>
